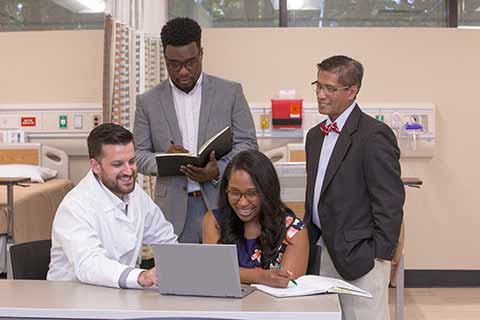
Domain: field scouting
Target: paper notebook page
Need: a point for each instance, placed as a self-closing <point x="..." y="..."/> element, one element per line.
<point x="311" y="284"/>
<point x="205" y="145"/>
<point x="177" y="154"/>
<point x="341" y="286"/>
<point x="326" y="284"/>
<point x="306" y="286"/>
<point x="348" y="291"/>
<point x="291" y="291"/>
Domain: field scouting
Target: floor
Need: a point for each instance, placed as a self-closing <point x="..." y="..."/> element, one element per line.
<point x="439" y="304"/>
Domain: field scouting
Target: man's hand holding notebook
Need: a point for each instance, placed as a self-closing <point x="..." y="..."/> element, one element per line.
<point x="168" y="164"/>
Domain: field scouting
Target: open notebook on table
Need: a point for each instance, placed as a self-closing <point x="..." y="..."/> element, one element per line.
<point x="310" y="284"/>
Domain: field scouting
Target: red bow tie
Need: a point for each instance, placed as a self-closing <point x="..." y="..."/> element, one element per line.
<point x="328" y="128"/>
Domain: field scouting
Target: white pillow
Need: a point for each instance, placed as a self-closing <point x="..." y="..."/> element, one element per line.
<point x="35" y="173"/>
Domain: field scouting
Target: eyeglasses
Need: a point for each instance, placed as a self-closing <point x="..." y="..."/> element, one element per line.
<point x="235" y="195"/>
<point x="328" y="89"/>
<point x="189" y="64"/>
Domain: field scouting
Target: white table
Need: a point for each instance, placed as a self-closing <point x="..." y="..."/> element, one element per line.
<point x="45" y="299"/>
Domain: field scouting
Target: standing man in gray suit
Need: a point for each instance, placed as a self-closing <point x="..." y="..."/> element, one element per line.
<point x="181" y="114"/>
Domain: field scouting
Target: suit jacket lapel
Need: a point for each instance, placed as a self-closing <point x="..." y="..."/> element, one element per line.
<point x="205" y="109"/>
<point x="170" y="114"/>
<point x="314" y="153"/>
<point x="341" y="147"/>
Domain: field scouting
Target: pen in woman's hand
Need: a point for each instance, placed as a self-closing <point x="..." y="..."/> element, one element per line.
<point x="290" y="274"/>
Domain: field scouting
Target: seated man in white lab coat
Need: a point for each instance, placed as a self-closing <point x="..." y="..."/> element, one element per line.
<point x="101" y="224"/>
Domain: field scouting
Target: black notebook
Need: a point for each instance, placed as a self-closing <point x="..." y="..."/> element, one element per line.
<point x="168" y="164"/>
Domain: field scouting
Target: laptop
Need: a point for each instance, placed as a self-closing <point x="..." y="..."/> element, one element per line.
<point x="199" y="270"/>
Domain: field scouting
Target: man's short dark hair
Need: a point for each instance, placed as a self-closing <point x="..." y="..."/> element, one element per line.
<point x="349" y="71"/>
<point x="180" y="32"/>
<point x="107" y="133"/>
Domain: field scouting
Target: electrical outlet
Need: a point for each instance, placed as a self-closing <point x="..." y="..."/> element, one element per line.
<point x="96" y="120"/>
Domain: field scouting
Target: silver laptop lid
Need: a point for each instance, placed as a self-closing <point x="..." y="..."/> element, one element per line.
<point x="198" y="269"/>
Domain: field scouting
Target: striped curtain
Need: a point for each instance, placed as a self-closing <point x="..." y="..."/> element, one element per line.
<point x="150" y="72"/>
<point x="133" y="64"/>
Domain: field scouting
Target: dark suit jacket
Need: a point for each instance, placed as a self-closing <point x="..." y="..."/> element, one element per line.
<point x="156" y="124"/>
<point x="362" y="196"/>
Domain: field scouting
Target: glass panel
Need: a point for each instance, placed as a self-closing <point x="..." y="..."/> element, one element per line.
<point x="469" y="13"/>
<point x="226" y="13"/>
<point x="23" y="15"/>
<point x="367" y="13"/>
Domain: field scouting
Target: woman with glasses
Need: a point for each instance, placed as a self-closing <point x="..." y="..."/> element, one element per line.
<point x="272" y="243"/>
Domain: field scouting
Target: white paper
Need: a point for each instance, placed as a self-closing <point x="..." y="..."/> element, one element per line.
<point x="310" y="284"/>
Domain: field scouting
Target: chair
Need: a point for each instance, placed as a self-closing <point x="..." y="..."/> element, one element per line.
<point x="30" y="260"/>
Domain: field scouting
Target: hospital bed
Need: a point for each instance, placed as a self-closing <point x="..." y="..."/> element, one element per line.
<point x="34" y="204"/>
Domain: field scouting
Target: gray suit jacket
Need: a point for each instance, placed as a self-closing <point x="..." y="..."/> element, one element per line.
<point x="223" y="104"/>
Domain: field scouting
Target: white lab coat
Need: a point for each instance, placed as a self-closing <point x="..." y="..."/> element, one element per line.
<point x="93" y="241"/>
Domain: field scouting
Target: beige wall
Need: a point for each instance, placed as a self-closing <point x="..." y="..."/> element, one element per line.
<point x="51" y="66"/>
<point x="402" y="65"/>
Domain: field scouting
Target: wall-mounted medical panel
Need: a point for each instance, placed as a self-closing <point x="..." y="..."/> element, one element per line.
<point x="63" y="126"/>
<point x="50" y="118"/>
<point x="412" y="123"/>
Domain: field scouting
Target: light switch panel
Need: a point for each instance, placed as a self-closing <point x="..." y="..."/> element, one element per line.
<point x="78" y="121"/>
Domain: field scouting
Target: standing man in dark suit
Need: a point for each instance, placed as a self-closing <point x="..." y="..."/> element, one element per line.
<point x="180" y="115"/>
<point x="354" y="195"/>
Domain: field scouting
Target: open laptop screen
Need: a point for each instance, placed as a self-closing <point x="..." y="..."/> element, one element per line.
<point x="198" y="269"/>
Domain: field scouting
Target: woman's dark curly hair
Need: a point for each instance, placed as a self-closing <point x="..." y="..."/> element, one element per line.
<point x="272" y="211"/>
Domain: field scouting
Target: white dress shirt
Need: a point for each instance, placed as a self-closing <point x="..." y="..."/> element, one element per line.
<point x="327" y="148"/>
<point x="187" y="108"/>
<point x="97" y="241"/>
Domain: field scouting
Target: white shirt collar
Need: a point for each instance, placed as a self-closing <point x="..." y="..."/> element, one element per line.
<point x="343" y="117"/>
<point x="198" y="86"/>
